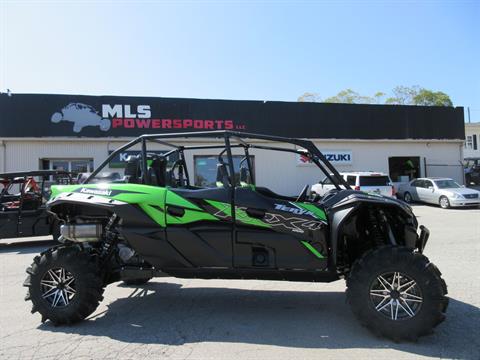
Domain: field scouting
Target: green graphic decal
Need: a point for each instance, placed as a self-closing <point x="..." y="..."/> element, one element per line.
<point x="225" y="210"/>
<point x="155" y="213"/>
<point x="190" y="216"/>
<point x="177" y="200"/>
<point x="312" y="250"/>
<point x="319" y="213"/>
<point x="150" y="199"/>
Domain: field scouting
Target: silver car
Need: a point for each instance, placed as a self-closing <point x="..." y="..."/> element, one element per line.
<point x="440" y="191"/>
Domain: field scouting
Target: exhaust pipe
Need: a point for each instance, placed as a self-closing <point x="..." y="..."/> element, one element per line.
<point x="81" y="232"/>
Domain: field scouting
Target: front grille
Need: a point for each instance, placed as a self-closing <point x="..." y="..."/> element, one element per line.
<point x="471" y="196"/>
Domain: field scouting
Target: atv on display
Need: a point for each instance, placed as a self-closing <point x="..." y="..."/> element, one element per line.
<point x="23" y="196"/>
<point x="154" y="222"/>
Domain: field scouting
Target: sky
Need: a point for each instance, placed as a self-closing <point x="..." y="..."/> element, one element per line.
<point x="252" y="50"/>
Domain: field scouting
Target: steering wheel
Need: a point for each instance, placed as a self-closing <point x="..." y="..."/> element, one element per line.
<point x="303" y="195"/>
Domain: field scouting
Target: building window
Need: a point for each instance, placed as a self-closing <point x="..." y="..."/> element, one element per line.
<point x="205" y="169"/>
<point x="469" y="142"/>
<point x="75" y="166"/>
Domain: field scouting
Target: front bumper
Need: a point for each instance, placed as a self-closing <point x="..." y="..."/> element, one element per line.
<point x="464" y="202"/>
<point x="422" y="239"/>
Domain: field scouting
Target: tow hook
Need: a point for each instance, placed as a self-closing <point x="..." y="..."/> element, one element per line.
<point x="422" y="239"/>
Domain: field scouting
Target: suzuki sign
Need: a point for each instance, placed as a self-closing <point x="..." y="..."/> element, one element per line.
<point x="336" y="157"/>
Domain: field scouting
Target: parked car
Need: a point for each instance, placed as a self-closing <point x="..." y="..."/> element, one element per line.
<point x="23" y="196"/>
<point x="439" y="191"/>
<point x="366" y="181"/>
<point x="157" y="223"/>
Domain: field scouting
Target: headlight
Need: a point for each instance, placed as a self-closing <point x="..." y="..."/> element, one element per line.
<point x="456" y="196"/>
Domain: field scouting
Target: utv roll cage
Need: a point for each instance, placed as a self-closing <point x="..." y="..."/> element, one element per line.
<point x="239" y="139"/>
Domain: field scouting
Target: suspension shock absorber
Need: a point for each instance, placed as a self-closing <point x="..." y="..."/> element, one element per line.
<point x="111" y="238"/>
<point x="376" y="231"/>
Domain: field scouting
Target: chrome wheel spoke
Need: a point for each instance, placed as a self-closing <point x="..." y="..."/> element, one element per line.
<point x="383" y="282"/>
<point x="408" y="310"/>
<point x="396" y="296"/>
<point x="49" y="292"/>
<point x="410" y="284"/>
<point x="379" y="295"/>
<point x="65" y="297"/>
<point x="58" y="287"/>
<point x="53" y="276"/>
<point x="378" y="308"/>
<point x="415" y="297"/>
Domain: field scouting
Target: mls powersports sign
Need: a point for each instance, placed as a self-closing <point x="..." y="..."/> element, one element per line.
<point x="39" y="115"/>
<point x="119" y="116"/>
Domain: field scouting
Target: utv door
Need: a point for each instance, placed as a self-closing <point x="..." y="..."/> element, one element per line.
<point x="273" y="232"/>
<point x="199" y="225"/>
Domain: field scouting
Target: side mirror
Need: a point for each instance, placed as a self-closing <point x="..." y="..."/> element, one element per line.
<point x="431" y="188"/>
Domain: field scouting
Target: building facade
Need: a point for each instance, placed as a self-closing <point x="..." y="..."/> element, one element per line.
<point x="472" y="140"/>
<point x="76" y="133"/>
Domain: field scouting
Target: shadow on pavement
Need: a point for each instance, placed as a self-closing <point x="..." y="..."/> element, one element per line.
<point x="166" y="313"/>
<point x="26" y="247"/>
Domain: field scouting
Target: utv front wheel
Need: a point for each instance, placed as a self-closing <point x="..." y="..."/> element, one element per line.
<point x="397" y="293"/>
<point x="64" y="285"/>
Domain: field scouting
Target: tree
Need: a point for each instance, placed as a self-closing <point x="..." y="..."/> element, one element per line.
<point x="431" y="98"/>
<point x="401" y="95"/>
<point x="309" y="97"/>
<point x="349" y="96"/>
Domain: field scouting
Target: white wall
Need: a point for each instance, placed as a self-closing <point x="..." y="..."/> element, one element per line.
<point x="279" y="171"/>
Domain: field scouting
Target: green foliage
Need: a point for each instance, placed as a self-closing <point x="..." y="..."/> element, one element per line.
<point x="401" y="95"/>
<point x="309" y="97"/>
<point x="431" y="98"/>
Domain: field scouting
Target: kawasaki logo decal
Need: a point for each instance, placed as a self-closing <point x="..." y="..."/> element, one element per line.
<point x="96" y="191"/>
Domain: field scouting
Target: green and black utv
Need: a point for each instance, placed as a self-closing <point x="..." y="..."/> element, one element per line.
<point x="155" y="222"/>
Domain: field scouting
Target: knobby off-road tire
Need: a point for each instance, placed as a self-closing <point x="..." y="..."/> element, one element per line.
<point x="382" y="307"/>
<point x="64" y="284"/>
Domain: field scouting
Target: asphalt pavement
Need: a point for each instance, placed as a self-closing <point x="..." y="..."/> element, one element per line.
<point x="240" y="319"/>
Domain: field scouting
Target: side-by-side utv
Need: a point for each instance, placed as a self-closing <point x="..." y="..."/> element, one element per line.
<point x="155" y="222"/>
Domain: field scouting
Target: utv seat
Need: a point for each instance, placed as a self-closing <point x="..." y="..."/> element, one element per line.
<point x="222" y="175"/>
<point x="132" y="170"/>
<point x="157" y="172"/>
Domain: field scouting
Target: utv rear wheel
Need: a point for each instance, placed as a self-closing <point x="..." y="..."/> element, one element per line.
<point x="397" y="293"/>
<point x="64" y="285"/>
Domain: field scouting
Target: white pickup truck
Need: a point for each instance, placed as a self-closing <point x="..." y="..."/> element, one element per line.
<point x="367" y="181"/>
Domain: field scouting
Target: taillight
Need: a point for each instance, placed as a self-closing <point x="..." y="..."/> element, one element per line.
<point x="393" y="191"/>
<point x="356" y="188"/>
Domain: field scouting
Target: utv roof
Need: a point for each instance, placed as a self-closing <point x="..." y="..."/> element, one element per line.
<point x="239" y="135"/>
<point x="240" y="138"/>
